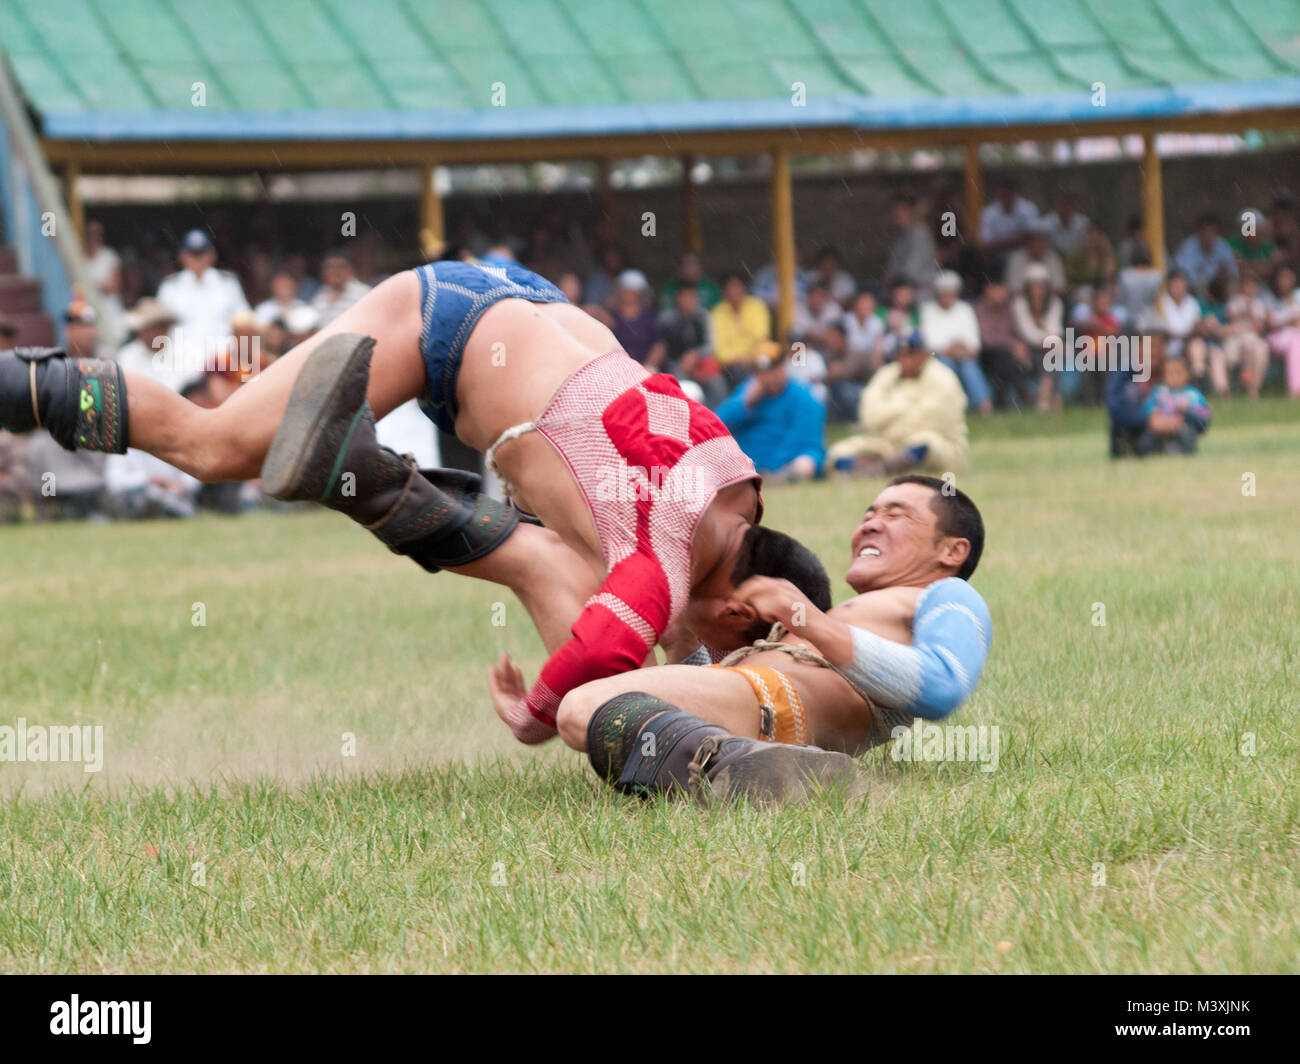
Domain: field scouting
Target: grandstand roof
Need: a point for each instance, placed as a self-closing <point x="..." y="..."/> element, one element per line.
<point x="427" y="70"/>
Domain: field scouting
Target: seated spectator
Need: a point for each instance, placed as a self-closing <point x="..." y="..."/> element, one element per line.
<point x="1066" y="227"/>
<point x="283" y="298"/>
<point x="1005" y="224"/>
<point x="339" y="288"/>
<point x="684" y="329"/>
<point x="951" y="331"/>
<point x="691" y="271"/>
<point x="148" y="351"/>
<point x="965" y="259"/>
<point x="1251" y="243"/>
<point x="1284" y="325"/>
<point x="912" y="254"/>
<point x="1039" y="319"/>
<point x="1241" y="339"/>
<point x="1177" y="414"/>
<point x="1133" y="239"/>
<point x="1093" y="263"/>
<point x="812" y="316"/>
<point x="105" y="268"/>
<point x="847" y="372"/>
<point x="1037" y="250"/>
<point x="864" y="331"/>
<point x="602" y="281"/>
<point x="63" y="485"/>
<point x="912" y="415"/>
<point x="1205" y="255"/>
<point x="300" y="325"/>
<point x="1139" y="287"/>
<point x="1286" y="228"/>
<point x="900" y="319"/>
<point x="140" y="486"/>
<point x="829" y="272"/>
<point x="740" y="323"/>
<point x="777" y="421"/>
<point x="636" y="325"/>
<point x="1180" y="312"/>
<point x="571" y="285"/>
<point x="1004" y="357"/>
<point x="1126" y="398"/>
<point x="1096" y="320"/>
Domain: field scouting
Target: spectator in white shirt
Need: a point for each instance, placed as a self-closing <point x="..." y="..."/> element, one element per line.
<point x="339" y="289"/>
<point x="105" y="266"/>
<point x="202" y="298"/>
<point x="1066" y="227"/>
<point x="952" y="332"/>
<point x="1006" y="222"/>
<point x="1181" y="313"/>
<point x="864" y="330"/>
<point x="149" y="351"/>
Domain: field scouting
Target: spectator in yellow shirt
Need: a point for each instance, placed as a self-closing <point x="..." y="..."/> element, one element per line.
<point x="740" y="323"/>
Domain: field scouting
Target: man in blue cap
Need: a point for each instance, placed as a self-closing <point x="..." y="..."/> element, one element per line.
<point x="202" y="298"/>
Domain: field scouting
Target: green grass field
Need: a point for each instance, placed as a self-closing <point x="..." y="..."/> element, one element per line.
<point x="1129" y="827"/>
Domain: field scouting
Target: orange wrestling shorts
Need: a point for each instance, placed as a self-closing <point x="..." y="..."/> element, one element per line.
<point x="780" y="710"/>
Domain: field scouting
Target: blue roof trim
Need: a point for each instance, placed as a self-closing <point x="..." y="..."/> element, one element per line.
<point x="864" y="113"/>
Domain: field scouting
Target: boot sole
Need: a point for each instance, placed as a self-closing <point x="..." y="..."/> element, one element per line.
<point x="784" y="774"/>
<point x="321" y="385"/>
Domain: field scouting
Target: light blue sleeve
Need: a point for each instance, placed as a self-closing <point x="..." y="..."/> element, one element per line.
<point x="951" y="635"/>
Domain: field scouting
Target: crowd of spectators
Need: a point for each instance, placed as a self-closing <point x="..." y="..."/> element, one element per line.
<point x="960" y="323"/>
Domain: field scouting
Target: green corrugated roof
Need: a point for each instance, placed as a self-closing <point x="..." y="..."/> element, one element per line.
<point x="81" y="62"/>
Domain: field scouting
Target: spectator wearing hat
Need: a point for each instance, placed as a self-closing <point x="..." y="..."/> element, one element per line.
<point x="340" y="289"/>
<point x="740" y="323"/>
<point x="202" y="298"/>
<point x="1205" y="255"/>
<point x="636" y="325"/>
<point x="300" y="324"/>
<point x="1039" y="319"/>
<point x="776" y="420"/>
<point x="149" y="351"/>
<point x="912" y="416"/>
<point x="951" y="330"/>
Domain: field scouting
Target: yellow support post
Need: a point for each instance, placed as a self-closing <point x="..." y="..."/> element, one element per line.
<point x="692" y="238"/>
<point x="783" y="240"/>
<point x="1153" y="201"/>
<point x="433" y="226"/>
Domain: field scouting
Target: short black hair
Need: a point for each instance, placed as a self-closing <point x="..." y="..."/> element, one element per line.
<point x="958" y="516"/>
<point x="767" y="552"/>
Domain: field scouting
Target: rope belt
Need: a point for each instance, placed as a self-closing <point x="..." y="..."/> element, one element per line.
<point x="490" y="455"/>
<point x="797" y="651"/>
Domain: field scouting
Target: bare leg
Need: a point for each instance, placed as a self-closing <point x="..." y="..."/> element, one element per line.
<point x="230" y="441"/>
<point x="548" y="577"/>
<point x="718" y="696"/>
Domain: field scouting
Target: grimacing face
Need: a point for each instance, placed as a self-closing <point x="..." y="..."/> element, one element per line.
<point x="898" y="541"/>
